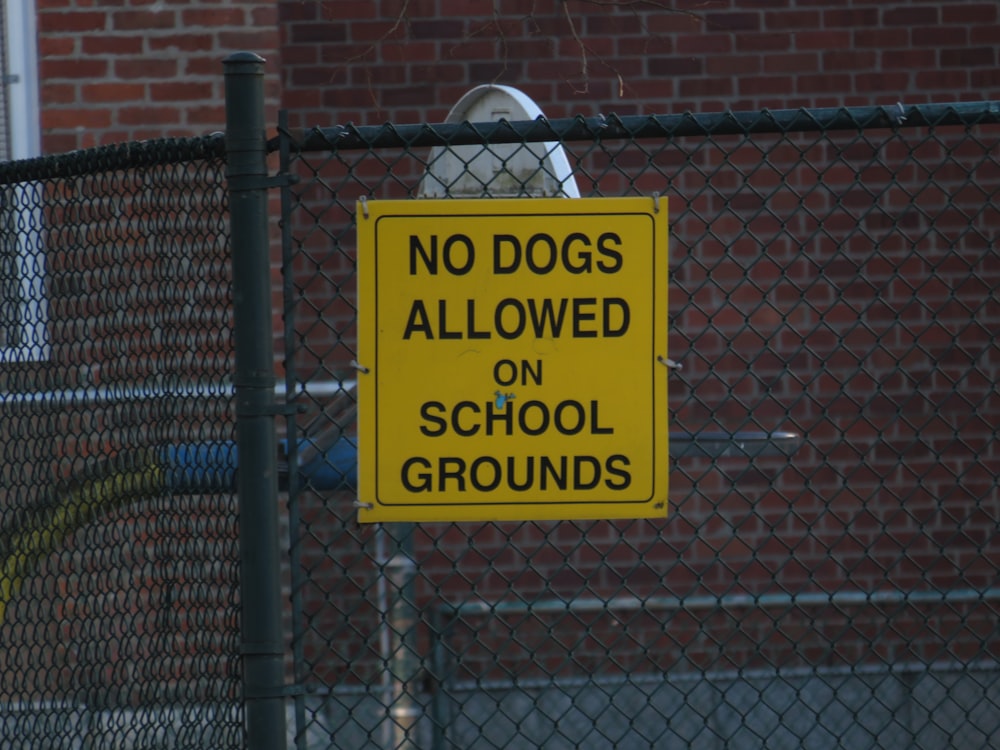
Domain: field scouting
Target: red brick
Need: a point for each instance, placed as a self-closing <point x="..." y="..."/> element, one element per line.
<point x="208" y="115"/>
<point x="912" y="59"/>
<point x="289" y="12"/>
<point x="650" y="88"/>
<point x="851" y="17"/>
<point x="822" y="40"/>
<point x="472" y="8"/>
<point x="353" y="54"/>
<point x="201" y="65"/>
<point x="143" y="20"/>
<point x="196" y="18"/>
<point x="181" y="42"/>
<point x="528" y="49"/>
<point x="606" y="25"/>
<point x="849" y="60"/>
<point x="72" y="68"/>
<point x="247" y="39"/>
<point x="373" y="31"/>
<point x="409" y="52"/>
<point x="697" y="87"/>
<point x="985" y="79"/>
<point x="410" y="95"/>
<point x="970" y="57"/>
<point x="377" y="75"/>
<point x="732" y="21"/>
<point x="935" y="37"/>
<point x="107" y="45"/>
<point x="112" y="91"/>
<point x="704" y="44"/>
<point x="594" y="48"/>
<point x="735" y="65"/>
<point x="880" y="38"/>
<point x="304" y="33"/>
<point x="78" y="21"/>
<point x="791" y="63"/>
<point x="58" y="142"/>
<point x="89" y="117"/>
<point x="49" y="46"/>
<point x="443" y="73"/>
<point x="787" y="20"/>
<point x="770" y="85"/>
<point x="438" y="28"/>
<point x="265" y="17"/>
<point x="304" y="75"/>
<point x="59" y="93"/>
<point x="144" y="67"/>
<point x="947" y="80"/>
<point x="888" y="82"/>
<point x="298" y="54"/>
<point x="969" y="13"/>
<point x="984" y="34"/>
<point x="147" y="115"/>
<point x="180" y="91"/>
<point x="823" y="83"/>
<point x="910" y="15"/>
<point x="674" y="66"/>
<point x="671" y="23"/>
<point x="764" y="42"/>
<point x="331" y="9"/>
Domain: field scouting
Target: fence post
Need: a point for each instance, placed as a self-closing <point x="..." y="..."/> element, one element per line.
<point x="257" y="483"/>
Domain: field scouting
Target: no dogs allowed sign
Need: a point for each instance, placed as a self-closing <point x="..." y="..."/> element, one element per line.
<point x="510" y="359"/>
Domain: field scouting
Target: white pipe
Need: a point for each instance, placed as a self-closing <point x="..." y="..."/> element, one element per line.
<point x="121" y="393"/>
<point x="732" y="601"/>
<point x="721" y="675"/>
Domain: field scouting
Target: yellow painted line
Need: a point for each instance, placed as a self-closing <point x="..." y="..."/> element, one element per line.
<point x="82" y="504"/>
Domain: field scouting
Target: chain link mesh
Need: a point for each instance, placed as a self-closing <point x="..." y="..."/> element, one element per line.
<point x="118" y="580"/>
<point x="832" y="275"/>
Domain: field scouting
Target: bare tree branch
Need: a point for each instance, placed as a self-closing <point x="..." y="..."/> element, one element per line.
<point x="583" y="51"/>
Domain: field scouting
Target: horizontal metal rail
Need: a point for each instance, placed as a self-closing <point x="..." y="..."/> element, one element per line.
<point x="614" y="127"/>
<point x="852" y="598"/>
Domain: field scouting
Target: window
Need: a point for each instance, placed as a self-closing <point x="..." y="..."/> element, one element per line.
<point x="23" y="311"/>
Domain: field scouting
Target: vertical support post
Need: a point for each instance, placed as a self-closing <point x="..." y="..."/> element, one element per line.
<point x="296" y="575"/>
<point x="404" y="711"/>
<point x="257" y="479"/>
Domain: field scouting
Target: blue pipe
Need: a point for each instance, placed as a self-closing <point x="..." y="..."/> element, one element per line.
<point x="211" y="466"/>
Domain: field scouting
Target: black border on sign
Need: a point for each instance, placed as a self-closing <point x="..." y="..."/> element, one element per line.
<point x="518" y="502"/>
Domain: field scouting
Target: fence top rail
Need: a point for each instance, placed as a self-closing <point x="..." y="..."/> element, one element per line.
<point x="113" y="157"/>
<point x="614" y="127"/>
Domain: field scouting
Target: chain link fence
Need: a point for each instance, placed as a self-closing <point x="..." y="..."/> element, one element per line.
<point x="833" y="276"/>
<point x="119" y="570"/>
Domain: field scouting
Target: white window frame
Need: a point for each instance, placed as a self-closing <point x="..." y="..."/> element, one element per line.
<point x="24" y="126"/>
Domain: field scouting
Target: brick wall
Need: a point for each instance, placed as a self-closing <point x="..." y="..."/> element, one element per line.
<point x="365" y="62"/>
<point x="837" y="286"/>
<point x="137" y="70"/>
<point x="843" y="511"/>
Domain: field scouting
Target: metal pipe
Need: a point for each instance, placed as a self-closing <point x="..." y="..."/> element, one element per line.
<point x="404" y="711"/>
<point x="114" y="394"/>
<point x="731" y="601"/>
<point x="254" y="383"/>
<point x="567" y="130"/>
<point x="723" y="675"/>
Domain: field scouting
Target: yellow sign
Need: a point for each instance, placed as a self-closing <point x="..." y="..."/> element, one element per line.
<point x="510" y="359"/>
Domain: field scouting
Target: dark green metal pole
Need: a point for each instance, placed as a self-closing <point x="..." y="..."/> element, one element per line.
<point x="257" y="480"/>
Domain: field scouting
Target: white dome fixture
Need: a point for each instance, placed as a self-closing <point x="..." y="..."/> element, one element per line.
<point x="500" y="170"/>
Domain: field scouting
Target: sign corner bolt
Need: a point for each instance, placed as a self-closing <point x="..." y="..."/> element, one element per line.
<point x="669" y="363"/>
